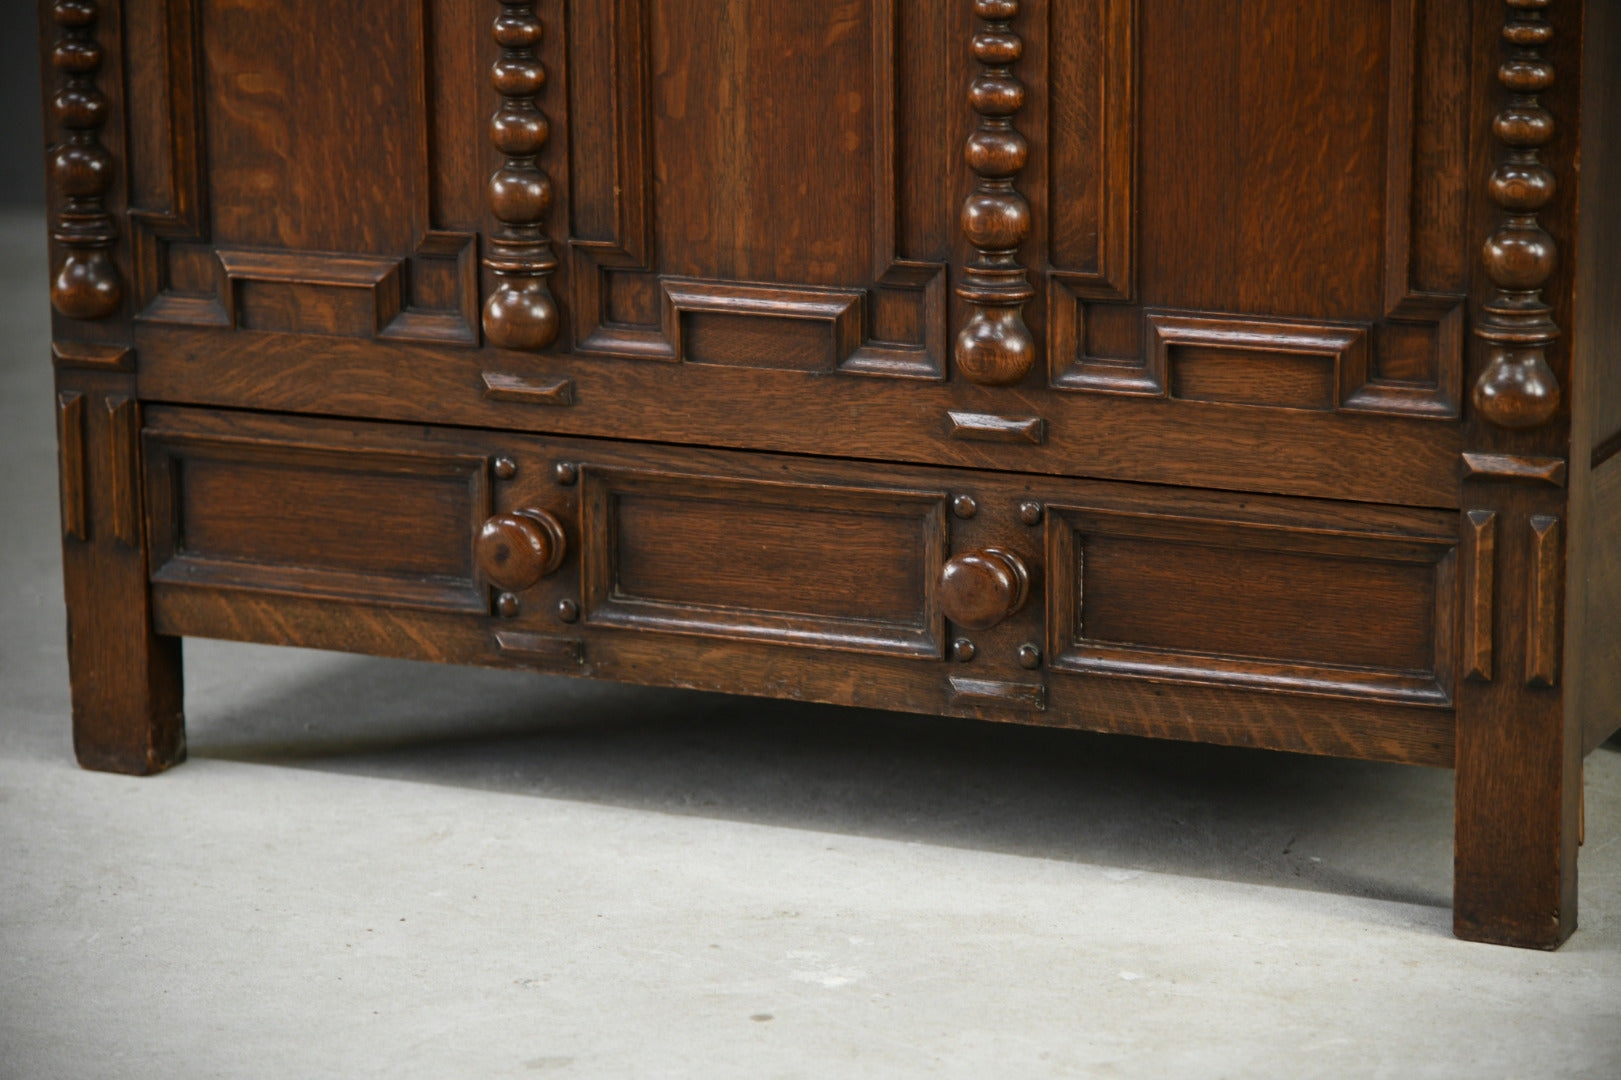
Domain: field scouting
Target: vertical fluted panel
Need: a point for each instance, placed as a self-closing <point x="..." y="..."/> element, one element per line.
<point x="995" y="347"/>
<point x="1518" y="389"/>
<point x="86" y="284"/>
<point x="520" y="313"/>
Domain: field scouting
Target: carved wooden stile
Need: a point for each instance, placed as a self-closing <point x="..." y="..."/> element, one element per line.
<point x="1518" y="389"/>
<point x="995" y="347"/>
<point x="86" y="285"/>
<point x="521" y="313"/>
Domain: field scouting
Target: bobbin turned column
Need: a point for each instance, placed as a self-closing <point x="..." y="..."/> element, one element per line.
<point x="995" y="348"/>
<point x="1518" y="763"/>
<point x="520" y="313"/>
<point x="1518" y="388"/>
<point x="86" y="284"/>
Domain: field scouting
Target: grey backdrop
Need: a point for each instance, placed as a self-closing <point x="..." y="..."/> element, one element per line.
<point x="22" y="166"/>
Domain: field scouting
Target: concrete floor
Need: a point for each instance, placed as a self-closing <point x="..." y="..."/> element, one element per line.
<point x="376" y="868"/>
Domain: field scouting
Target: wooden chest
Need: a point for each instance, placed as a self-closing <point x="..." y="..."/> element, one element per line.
<point x="1245" y="372"/>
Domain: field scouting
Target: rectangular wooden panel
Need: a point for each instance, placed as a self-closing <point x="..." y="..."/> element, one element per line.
<point x="764" y="341"/>
<point x="1247" y="361"/>
<point x="1092" y="46"/>
<point x="310" y="293"/>
<point x="383" y="526"/>
<point x="777" y="185"/>
<point x="291" y="109"/>
<point x="1275" y="380"/>
<point x="1311" y="610"/>
<point x="733" y="558"/>
<point x="760" y="326"/>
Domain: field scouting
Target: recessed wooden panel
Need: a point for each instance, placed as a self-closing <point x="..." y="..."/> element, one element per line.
<point x="1092" y="45"/>
<point x="767" y="192"/>
<point x="762" y="326"/>
<point x="1274" y="605"/>
<point x="289" y="109"/>
<point x="260" y="135"/>
<point x="309" y="292"/>
<point x="731" y="558"/>
<point x="308" y="309"/>
<point x="801" y="189"/>
<point x="383" y="526"/>
<point x="1308" y="610"/>
<point x="1263" y="362"/>
<point x="1151" y="206"/>
<point x="712" y="337"/>
<point x="1201" y="373"/>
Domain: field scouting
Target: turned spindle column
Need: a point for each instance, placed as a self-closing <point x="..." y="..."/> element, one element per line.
<point x="1518" y="389"/>
<point x="520" y="313"/>
<point x="86" y="283"/>
<point x="995" y="347"/>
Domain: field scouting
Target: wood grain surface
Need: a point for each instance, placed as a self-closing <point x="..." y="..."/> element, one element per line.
<point x="1246" y="371"/>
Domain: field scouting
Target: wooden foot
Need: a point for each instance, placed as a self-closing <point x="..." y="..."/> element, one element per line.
<point x="1518" y="757"/>
<point x="126" y="682"/>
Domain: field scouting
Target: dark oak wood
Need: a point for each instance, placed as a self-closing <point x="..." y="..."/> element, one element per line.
<point x="516" y="550"/>
<point x="87" y="284"/>
<point x="1239" y="371"/>
<point x="979" y="589"/>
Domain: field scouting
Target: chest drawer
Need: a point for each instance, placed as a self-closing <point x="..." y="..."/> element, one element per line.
<point x="1303" y="624"/>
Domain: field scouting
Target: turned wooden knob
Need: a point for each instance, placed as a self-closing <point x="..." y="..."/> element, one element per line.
<point x="981" y="588"/>
<point x="518" y="549"/>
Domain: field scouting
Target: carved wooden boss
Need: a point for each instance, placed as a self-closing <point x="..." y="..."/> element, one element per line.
<point x="1235" y="371"/>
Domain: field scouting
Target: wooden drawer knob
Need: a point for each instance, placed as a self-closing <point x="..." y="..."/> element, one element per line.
<point x="516" y="550"/>
<point x="981" y="588"/>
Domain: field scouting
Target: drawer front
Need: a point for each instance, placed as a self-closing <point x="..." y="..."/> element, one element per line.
<point x="315" y="517"/>
<point x="1266" y="604"/>
<point x="838" y="567"/>
<point x="1298" y="624"/>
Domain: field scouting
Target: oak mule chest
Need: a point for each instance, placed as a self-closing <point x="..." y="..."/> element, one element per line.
<point x="1245" y="372"/>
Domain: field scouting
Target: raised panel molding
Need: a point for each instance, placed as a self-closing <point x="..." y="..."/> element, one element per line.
<point x="309" y="292"/>
<point x="1266" y="577"/>
<point x="1104" y="273"/>
<point x="613" y="239"/>
<point x="705" y="555"/>
<point x="177" y="225"/>
<point x="834" y="317"/>
<point x="1107" y="166"/>
<point x="1341" y="350"/>
<point x="312" y="519"/>
<point x="1440" y="314"/>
